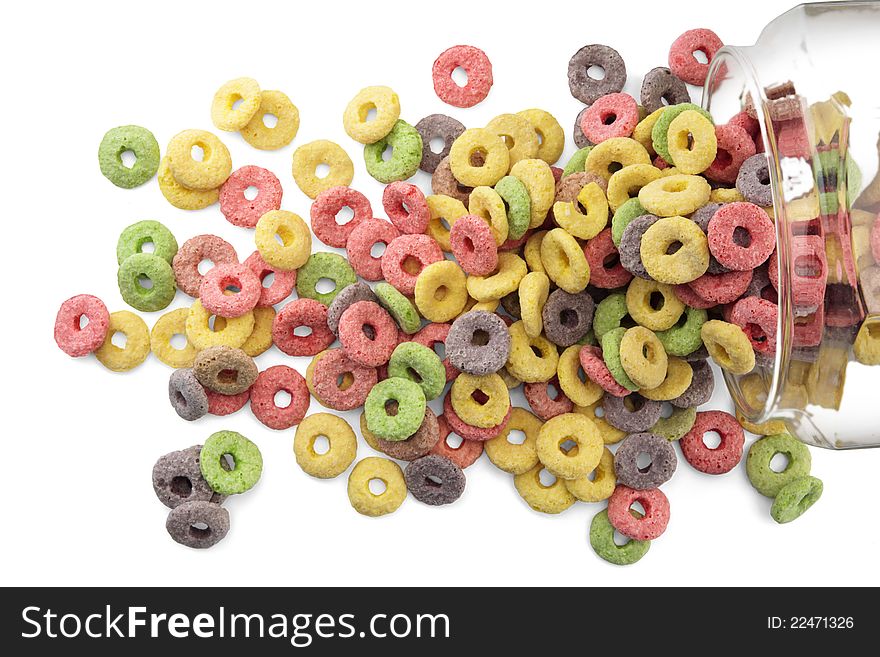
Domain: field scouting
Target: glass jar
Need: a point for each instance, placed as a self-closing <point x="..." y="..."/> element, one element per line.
<point x="810" y="83"/>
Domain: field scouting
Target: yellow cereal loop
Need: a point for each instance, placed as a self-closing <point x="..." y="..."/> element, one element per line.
<point x="653" y="305"/>
<point x="534" y="289"/>
<point x="504" y="280"/>
<point x="564" y="261"/>
<point x="441" y="291"/>
<point x="509" y="380"/>
<point x="488" y="205"/>
<point x="444" y="211"/>
<point x="577" y="387"/>
<point x="601" y="486"/>
<point x="531" y="360"/>
<point x="260" y="339"/>
<point x="478" y="142"/>
<point x="137" y="342"/>
<point x="610" y="434"/>
<point x="626" y="183"/>
<point x="642" y="132"/>
<point x="340" y="453"/>
<point x="554" y="498"/>
<point x="181" y="197"/>
<point x="538" y="180"/>
<point x="532" y="251"/>
<point x="486" y="306"/>
<point x="725" y="195"/>
<point x="643" y="357"/>
<point x="692" y="142"/>
<point x="560" y="459"/>
<point x="679" y="375"/>
<point x="512" y="457"/>
<point x="675" y="195"/>
<point x="518" y="135"/>
<point x="233" y="333"/>
<point x="613" y="154"/>
<point x="261" y="136"/>
<point x="206" y="173"/>
<point x="308" y="157"/>
<point x="729" y="346"/>
<point x="245" y="90"/>
<point x="364" y="500"/>
<point x="296" y="239"/>
<point x="492" y="411"/>
<point x="551" y="137"/>
<point x="578" y="224"/>
<point x="166" y="327"/>
<point x="867" y="345"/>
<point x="356" y="117"/>
<point x="768" y="428"/>
<point x="666" y="264"/>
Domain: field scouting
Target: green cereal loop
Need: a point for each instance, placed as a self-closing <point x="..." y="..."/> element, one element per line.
<point x="246" y="457"/>
<point x="660" y="132"/>
<point x="684" y="337"/>
<point x="418" y="363"/>
<point x="577" y="161"/>
<point x="611" y="355"/>
<point x="609" y="314"/>
<point x="406" y="154"/>
<point x="827" y="161"/>
<point x="517" y="203"/>
<point x="676" y="425"/>
<point x="139" y="141"/>
<point x="134" y="237"/>
<point x="401" y="308"/>
<point x="324" y="265"/>
<point x="763" y="478"/>
<point x="602" y="541"/>
<point x="623" y="216"/>
<point x="150" y="266"/>
<point x="410" y="409"/>
<point x="828" y="203"/>
<point x="795" y="498"/>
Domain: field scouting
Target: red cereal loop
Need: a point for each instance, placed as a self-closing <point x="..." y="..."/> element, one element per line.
<point x="328" y="204"/>
<point x="748" y="123"/>
<point x="542" y="404"/>
<point x="473" y="245"/>
<point x="463" y="455"/>
<point x="328" y="373"/>
<point x="467" y="431"/>
<point x="216" y="283"/>
<point x="735" y="146"/>
<point x="660" y="163"/>
<point x="405" y="258"/>
<point x="479" y="76"/>
<point x="283" y="281"/>
<point x="302" y="312"/>
<point x="809" y="329"/>
<point x="434" y="334"/>
<point x="78" y="341"/>
<point x="191" y="253"/>
<point x="272" y="381"/>
<point x="367" y="333"/>
<point x="714" y="460"/>
<point x="237" y="208"/>
<point x="757" y="318"/>
<point x="605" y="269"/>
<point x="406" y="207"/>
<point x="686" y="295"/>
<point x="809" y="271"/>
<point x="597" y="371"/>
<point x="682" y="62"/>
<point x="720" y="288"/>
<point x="613" y="115"/>
<point x="773" y="268"/>
<point x="748" y="252"/>
<point x="226" y="404"/>
<point x="513" y="244"/>
<point x="361" y="242"/>
<point x="651" y="525"/>
<point x="557" y="174"/>
<point x="793" y="140"/>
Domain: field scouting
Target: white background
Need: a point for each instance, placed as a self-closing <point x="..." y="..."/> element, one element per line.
<point x="79" y="441"/>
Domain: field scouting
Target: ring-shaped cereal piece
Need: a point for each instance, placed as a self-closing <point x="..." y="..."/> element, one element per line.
<point x="260" y="339"/>
<point x="524" y="363"/>
<point x="441" y="291"/>
<point x="679" y="375"/>
<point x="297" y="313"/>
<point x="367" y="333"/>
<point x="553" y="498"/>
<point x="682" y="60"/>
<point x="532" y="251"/>
<point x="515" y="458"/>
<point x="493" y="404"/>
<point x="135" y="271"/>
<point x="296" y="239"/>
<point x="661" y="87"/>
<point x="643" y="357"/>
<point x="625" y="185"/>
<point x="567" y="317"/>
<point x="551" y="137"/>
<point x="478" y="343"/>
<point x="504" y="280"/>
<point x="610" y="342"/>
<point x="283" y="281"/>
<point x="603" y="258"/>
<point x="692" y="144"/>
<point x="714" y="460"/>
<point x="734" y="147"/>
<point x="180" y="196"/>
<point x="430" y="336"/>
<point x="308" y="157"/>
<point x="199" y="332"/>
<point x="259" y="135"/>
<point x="479" y="76"/>
<point x="406" y="154"/>
<point x="587" y="88"/>
<point x="624" y="216"/>
<point x="614" y="154"/>
<point x="71" y="336"/>
<point x="406" y="257"/>
<point x="341" y="441"/>
<point x="612" y="115"/>
<point x="518" y="134"/>
<point x="135" y="236"/>
<point x="464" y="454"/>
<point x="757" y="318"/>
<point x="495" y="158"/>
<point x="443" y="183"/>
<point x="330" y="384"/>
<point x="568" y="215"/>
<point x="356" y="118"/>
<point x="657" y="472"/>
<point x="166" y="327"/>
<point x="445" y="210"/>
<point x="487" y="204"/>
<point x="363" y="499"/>
<point x="764" y="478"/>
<point x="683" y="337"/>
<point x="611" y="313"/>
<point x="136" y="140"/>
<point x="473" y="245"/>
<point x="716" y="289"/>
<point x="679" y="422"/>
<point x="137" y="342"/>
<point x="722" y="236"/>
<point x="324" y="265"/>
<point x="327" y="206"/>
<point x="359" y="246"/>
<point x="406" y="207"/>
<point x="653" y="305"/>
<point x="729" y="346"/>
<point x="581" y="392"/>
<point x="537" y="177"/>
<point x="246" y="457"/>
<point x="434" y="480"/>
<point x="603" y="544"/>
<point x="401" y="308"/>
<point x="214" y="290"/>
<point x="675" y="195"/>
<point x="409" y="414"/>
<point x="437" y="126"/>
<point x="569" y="462"/>
<point x="414" y="361"/>
<point x="564" y="261"/>
<point x="575" y="164"/>
<point x="192" y="252"/>
<point x="201" y="175"/>
<point x="795" y="498"/>
<point x="687" y="263"/>
<point x="601" y="486"/>
<point x="546" y="399"/>
<point x="534" y="289"/>
<point x="518" y="206"/>
<point x="225" y="370"/>
<point x="660" y="130"/>
<point x="224" y="113"/>
<point x="597" y="371"/>
<point x="238" y="209"/>
<point x="647" y="527"/>
<point x="468" y="431"/>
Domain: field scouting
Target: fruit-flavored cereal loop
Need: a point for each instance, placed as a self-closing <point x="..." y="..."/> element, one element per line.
<point x="531" y="359"/>
<point x="567" y="317"/>
<point x="645" y="528"/>
<point x="434" y="480"/>
<point x="643" y="357"/>
<point x="242" y="474"/>
<point x="326" y="208"/>
<point x="613" y="115"/>
<point x="271" y="381"/>
<point x="504" y="280"/>
<point x="224" y="112"/>
<point x="198" y="525"/>
<point x="687" y="263"/>
<point x="235" y="205"/>
<point x="569" y="461"/>
<point x="341" y="445"/>
<point x="308" y="157"/>
<point x="674" y="195"/>
<point x="132" y="139"/>
<point x="214" y="292"/>
<point x="679" y="376"/>
<point x="653" y="475"/>
<point x="723" y="228"/>
<point x="283" y="281"/>
<point x="614" y="154"/>
<point x="409" y="413"/>
<point x="597" y="371"/>
<point x="478" y="343"/>
<point x="437" y="126"/>
<point x="199" y="332"/>
<point x="692" y="144"/>
<point x="331" y="386"/>
<point x="518" y="134"/>
<point x="583" y="85"/>
<point x="259" y="135"/>
<point x="494" y="164"/>
<point x="714" y="460"/>
<point x="135" y="271"/>
<point x="367" y="333"/>
<point x="547" y="399"/>
<point x="795" y="498"/>
<point x="485" y="202"/>
<point x="401" y="308"/>
<point x="306" y="313"/>
<point x="169" y="325"/>
<point x="414" y="361"/>
<point x="728" y="346"/>
<point x="682" y="55"/>
<point x="133" y="239"/>
<point x="515" y="458"/>
<point x="359" y="246"/>
<point x="190" y="255"/>
<point x="659" y="85"/>
<point x="602" y="484"/>
<point x="225" y="370"/>
<point x="551" y="137"/>
<point x="324" y="265"/>
<point x="137" y="342"/>
<point x="187" y="396"/>
<point x="356" y="118"/>
<point x="552" y="498"/>
<point x="361" y="495"/>
<point x="473" y="245"/>
<point x="602" y="542"/>
<point x="406" y="257"/>
<point x="405" y="143"/>
<point x="580" y="225"/>
<point x="479" y="76"/>
<point x="406" y="207"/>
<point x="763" y="477"/>
<point x="564" y="261"/>
<point x="440" y="291"/>
<point x="74" y="336"/>
<point x="464" y="454"/>
<point x="296" y="240"/>
<point x="203" y="174"/>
